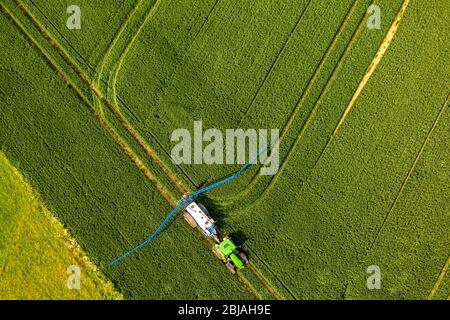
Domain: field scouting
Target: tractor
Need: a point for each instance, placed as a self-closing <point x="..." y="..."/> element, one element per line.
<point x="232" y="255"/>
<point x="198" y="217"/>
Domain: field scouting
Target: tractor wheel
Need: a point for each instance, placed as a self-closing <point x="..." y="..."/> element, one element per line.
<point x="231" y="267"/>
<point x="217" y="253"/>
<point x="243" y="257"/>
<point x="189" y="220"/>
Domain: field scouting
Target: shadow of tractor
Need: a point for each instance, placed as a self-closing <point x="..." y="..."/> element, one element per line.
<point x="237" y="236"/>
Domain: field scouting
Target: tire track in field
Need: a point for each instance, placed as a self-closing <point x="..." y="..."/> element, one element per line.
<point x="113" y="42"/>
<point x="279" y="55"/>
<point x="65" y="79"/>
<point x="370" y="70"/>
<point x="55" y="45"/>
<point x="263" y="280"/>
<point x="112" y="102"/>
<point x="411" y="169"/>
<point x="297" y="108"/>
<point x="125" y="148"/>
<point x="440" y="279"/>
<point x="62" y="35"/>
<point x="309" y="118"/>
<point x="113" y="106"/>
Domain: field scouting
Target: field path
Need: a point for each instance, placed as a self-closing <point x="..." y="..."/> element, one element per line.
<point x="376" y="60"/>
<point x="440" y="279"/>
<point x="370" y="70"/>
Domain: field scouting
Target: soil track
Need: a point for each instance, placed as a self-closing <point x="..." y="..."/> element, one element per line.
<point x="440" y="279"/>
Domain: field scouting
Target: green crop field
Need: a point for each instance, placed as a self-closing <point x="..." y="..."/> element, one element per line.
<point x="86" y="116"/>
<point x="35" y="249"/>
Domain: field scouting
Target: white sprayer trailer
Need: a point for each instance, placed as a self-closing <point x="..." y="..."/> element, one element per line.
<point x="198" y="216"/>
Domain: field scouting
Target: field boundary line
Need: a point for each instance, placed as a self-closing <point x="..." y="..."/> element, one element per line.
<point x="87" y="190"/>
<point x="411" y="169"/>
<point x="439" y="279"/>
<point x="280" y="53"/>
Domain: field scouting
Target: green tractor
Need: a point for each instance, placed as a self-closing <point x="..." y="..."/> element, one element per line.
<point x="231" y="255"/>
